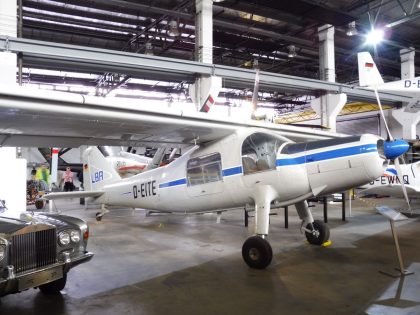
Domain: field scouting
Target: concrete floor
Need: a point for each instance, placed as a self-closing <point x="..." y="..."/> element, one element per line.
<point x="175" y="264"/>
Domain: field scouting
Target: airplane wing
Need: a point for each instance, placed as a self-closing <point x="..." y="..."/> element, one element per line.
<point x="72" y="194"/>
<point x="393" y="190"/>
<point x="414" y="105"/>
<point x="48" y="118"/>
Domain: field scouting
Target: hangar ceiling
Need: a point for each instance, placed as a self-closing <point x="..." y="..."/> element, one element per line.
<point x="244" y="31"/>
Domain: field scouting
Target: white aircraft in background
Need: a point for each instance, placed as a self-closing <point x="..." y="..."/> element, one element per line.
<point x="128" y="164"/>
<point x="389" y="184"/>
<point x="370" y="77"/>
<point x="250" y="166"/>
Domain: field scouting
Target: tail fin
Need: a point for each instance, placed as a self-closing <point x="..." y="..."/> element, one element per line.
<point x="97" y="171"/>
<point x="368" y="72"/>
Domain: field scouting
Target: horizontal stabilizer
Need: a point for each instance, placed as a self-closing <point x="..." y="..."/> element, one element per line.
<point x="72" y="194"/>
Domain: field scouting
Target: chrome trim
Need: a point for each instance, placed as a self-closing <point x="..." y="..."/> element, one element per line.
<point x="10" y="272"/>
<point x="10" y="285"/>
<point x="33" y="247"/>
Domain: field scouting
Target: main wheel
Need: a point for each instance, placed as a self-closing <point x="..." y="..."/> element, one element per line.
<point x="320" y="235"/>
<point x="54" y="287"/>
<point x="98" y="216"/>
<point x="257" y="252"/>
<point x="39" y="203"/>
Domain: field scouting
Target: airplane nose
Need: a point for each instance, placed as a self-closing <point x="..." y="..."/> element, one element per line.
<point x="394" y="149"/>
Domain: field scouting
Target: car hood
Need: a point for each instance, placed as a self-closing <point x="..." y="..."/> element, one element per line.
<point x="10" y="225"/>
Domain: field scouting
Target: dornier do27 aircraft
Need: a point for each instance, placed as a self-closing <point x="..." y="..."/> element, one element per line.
<point x="249" y="166"/>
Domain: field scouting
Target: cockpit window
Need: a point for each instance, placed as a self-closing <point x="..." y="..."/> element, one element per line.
<point x="259" y="152"/>
<point x="204" y="169"/>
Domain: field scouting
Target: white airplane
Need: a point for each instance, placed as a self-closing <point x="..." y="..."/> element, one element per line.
<point x="250" y="166"/>
<point x="128" y="164"/>
<point x="389" y="183"/>
<point x="370" y="77"/>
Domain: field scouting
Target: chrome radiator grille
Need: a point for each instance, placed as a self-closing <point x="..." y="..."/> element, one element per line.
<point x="33" y="250"/>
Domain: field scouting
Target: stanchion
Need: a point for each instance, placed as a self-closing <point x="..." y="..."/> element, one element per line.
<point x="395" y="216"/>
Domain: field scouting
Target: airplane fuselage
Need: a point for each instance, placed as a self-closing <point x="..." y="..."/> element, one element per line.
<point x="236" y="170"/>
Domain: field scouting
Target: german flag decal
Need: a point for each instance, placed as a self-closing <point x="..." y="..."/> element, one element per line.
<point x="369" y="65"/>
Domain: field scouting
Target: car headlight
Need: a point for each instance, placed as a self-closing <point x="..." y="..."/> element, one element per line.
<point x="64" y="238"/>
<point x="75" y="236"/>
<point x="2" y="251"/>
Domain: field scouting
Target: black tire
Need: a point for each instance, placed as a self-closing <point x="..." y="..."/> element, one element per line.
<point x="39" y="204"/>
<point x="54" y="287"/>
<point x="98" y="216"/>
<point x="257" y="252"/>
<point x="323" y="233"/>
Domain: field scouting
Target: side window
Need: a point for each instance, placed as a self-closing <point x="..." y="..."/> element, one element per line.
<point x="204" y="169"/>
<point x="259" y="151"/>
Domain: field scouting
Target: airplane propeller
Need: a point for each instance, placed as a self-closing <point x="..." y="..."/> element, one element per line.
<point x="393" y="149"/>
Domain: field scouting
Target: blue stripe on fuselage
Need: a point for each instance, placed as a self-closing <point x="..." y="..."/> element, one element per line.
<point x="311" y="157"/>
<point x="227" y="172"/>
<point x="232" y="171"/>
<point x="177" y="182"/>
<point x="327" y="155"/>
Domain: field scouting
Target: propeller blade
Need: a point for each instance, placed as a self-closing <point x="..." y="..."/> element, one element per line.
<point x="393" y="150"/>
<point x="401" y="179"/>
<point x="382" y="114"/>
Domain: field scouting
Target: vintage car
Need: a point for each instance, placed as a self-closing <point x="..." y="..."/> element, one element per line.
<point x="39" y="249"/>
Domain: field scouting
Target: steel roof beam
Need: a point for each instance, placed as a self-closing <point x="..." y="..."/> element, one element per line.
<point x="86" y="58"/>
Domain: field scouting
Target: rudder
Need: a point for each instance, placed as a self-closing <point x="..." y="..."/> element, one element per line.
<point x="368" y="72"/>
<point x="97" y="171"/>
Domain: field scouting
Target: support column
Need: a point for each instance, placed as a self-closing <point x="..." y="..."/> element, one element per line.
<point x="13" y="182"/>
<point x="407" y="63"/>
<point x="408" y="121"/>
<point x="408" y="116"/>
<point x="12" y="170"/>
<point x="8" y="18"/>
<point x="204" y="31"/>
<point x="206" y="88"/>
<point x="8" y="27"/>
<point x="328" y="106"/>
<point x="326" y="53"/>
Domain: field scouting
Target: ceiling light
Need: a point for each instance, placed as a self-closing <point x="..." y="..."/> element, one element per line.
<point x="173" y="28"/>
<point x="292" y="51"/>
<point x="375" y="37"/>
<point x="351" y="29"/>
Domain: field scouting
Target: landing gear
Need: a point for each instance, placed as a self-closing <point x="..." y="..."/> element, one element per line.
<point x="257" y="252"/>
<point x="99" y="215"/>
<point x="317" y="233"/>
<point x="39" y="204"/>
